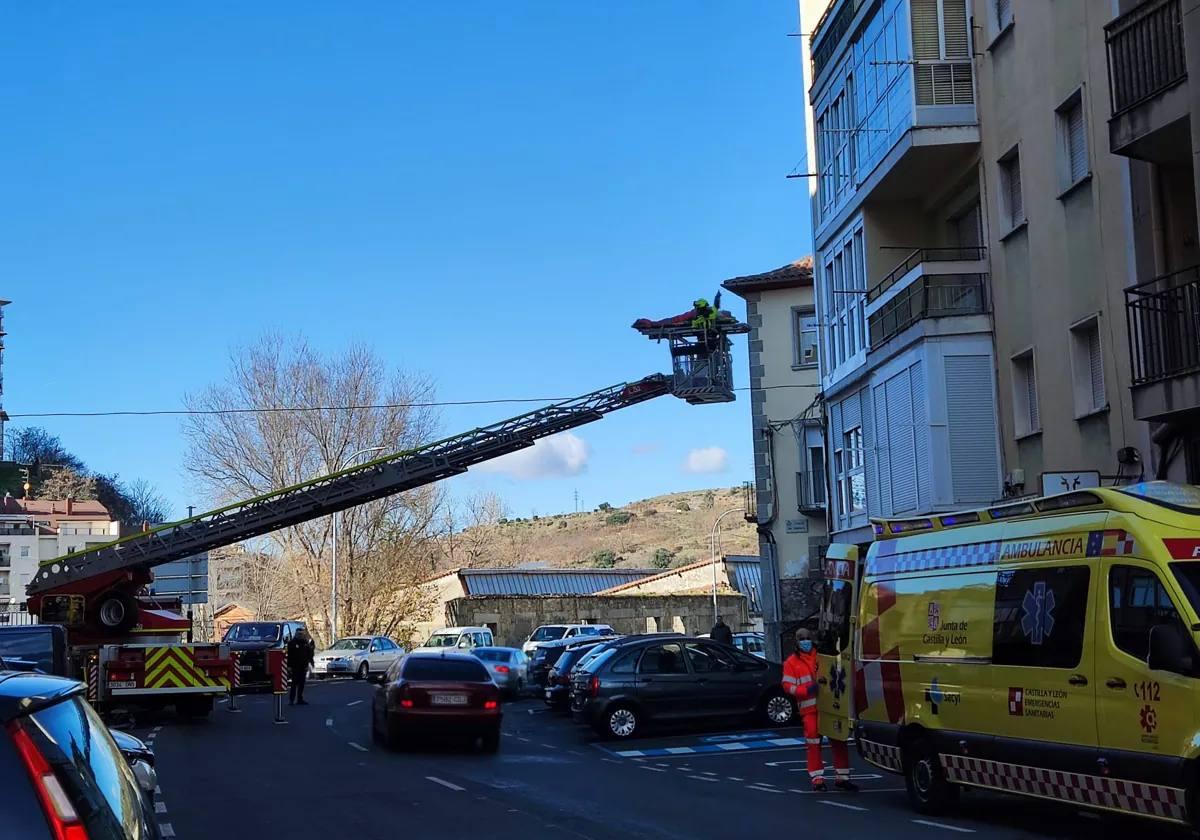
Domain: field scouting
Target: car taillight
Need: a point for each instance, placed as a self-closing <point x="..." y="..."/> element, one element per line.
<point x="59" y="810"/>
<point x="594" y="687"/>
<point x="406" y="703"/>
<point x="490" y="704"/>
<point x="501" y="669"/>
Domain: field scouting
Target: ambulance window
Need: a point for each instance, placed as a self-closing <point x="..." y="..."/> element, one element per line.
<point x="1137" y="601"/>
<point x="834" y="629"/>
<point x="1039" y="617"/>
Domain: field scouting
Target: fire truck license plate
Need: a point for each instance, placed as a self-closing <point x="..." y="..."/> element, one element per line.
<point x="122" y="684"/>
<point x="449" y="699"/>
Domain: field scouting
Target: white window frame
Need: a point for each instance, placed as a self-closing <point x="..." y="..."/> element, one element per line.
<point x="1068" y="180"/>
<point x="1011" y="220"/>
<point x="801" y="314"/>
<point x="1025" y="424"/>
<point x="1087" y="401"/>
<point x="851" y="466"/>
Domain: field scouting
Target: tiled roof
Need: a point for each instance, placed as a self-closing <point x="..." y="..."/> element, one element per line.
<point x="546" y="581"/>
<point x="790" y="276"/>
<point x="56" y="508"/>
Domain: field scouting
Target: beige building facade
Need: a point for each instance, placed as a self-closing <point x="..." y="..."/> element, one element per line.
<point x="1057" y="219"/>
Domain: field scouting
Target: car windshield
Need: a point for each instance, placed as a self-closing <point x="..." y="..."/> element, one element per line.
<point x="442" y="640"/>
<point x="492" y="655"/>
<point x="254" y="631"/>
<point x="445" y="670"/>
<point x="548" y="633"/>
<point x="351" y="644"/>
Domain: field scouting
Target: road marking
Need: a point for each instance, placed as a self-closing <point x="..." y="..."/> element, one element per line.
<point x="662" y="765"/>
<point x="859" y="793"/>
<point x="651" y="769"/>
<point x="444" y="783"/>
<point x="761" y="744"/>
<point x="735" y="778"/>
<point x="358" y="747"/>
<point x="158" y="790"/>
<point x="166" y="830"/>
<point x="574" y="752"/>
<point x="157" y="729"/>
<point x="708" y="773"/>
<point x="354" y="703"/>
<point x="842" y="805"/>
<point x="704" y="778"/>
<point x="957" y="828"/>
<point x="763" y="788"/>
<point x="550" y="746"/>
<point x="160" y="807"/>
<point x="612" y="761"/>
<point x="329" y="722"/>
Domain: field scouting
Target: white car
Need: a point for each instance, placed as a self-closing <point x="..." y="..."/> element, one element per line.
<point x="554" y="632"/>
<point x="458" y="638"/>
<point x="357" y="656"/>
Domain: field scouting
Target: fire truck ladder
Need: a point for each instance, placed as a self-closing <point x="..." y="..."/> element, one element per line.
<point x="331" y="493"/>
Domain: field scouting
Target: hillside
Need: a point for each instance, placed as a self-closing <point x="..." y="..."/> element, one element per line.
<point x="661" y="532"/>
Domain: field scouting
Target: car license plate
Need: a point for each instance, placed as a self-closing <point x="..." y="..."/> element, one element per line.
<point x="449" y="699"/>
<point x="245" y="667"/>
<point x="123" y="684"/>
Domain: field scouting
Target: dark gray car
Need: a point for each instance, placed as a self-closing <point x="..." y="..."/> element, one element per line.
<point x="648" y="679"/>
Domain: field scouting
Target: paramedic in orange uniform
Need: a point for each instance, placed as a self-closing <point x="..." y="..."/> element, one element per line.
<point x="800" y="674"/>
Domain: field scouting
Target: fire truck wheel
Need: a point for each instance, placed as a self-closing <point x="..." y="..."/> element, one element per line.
<point x="928" y="791"/>
<point x="195" y="707"/>
<point x="117" y="612"/>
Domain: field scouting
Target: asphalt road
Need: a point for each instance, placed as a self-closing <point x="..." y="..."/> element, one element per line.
<point x="319" y="776"/>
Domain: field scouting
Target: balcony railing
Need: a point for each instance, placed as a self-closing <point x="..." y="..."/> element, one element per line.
<point x="1163" y="318"/>
<point x="1145" y="53"/>
<point x="929" y="296"/>
<point x="923" y="255"/>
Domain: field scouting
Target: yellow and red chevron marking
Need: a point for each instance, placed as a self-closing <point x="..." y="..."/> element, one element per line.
<point x="175" y="667"/>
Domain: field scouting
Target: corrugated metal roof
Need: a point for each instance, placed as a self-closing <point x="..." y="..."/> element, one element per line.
<point x="745" y="573"/>
<point x="547" y="581"/>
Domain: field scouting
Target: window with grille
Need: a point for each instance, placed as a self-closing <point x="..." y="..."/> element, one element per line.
<point x="1073" y="163"/>
<point x="1012" y="201"/>
<point x="1087" y="368"/>
<point x="1026" y="417"/>
<point x="942" y="52"/>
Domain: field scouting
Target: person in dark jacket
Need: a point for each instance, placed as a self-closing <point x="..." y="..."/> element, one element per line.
<point x="721" y="632"/>
<point x="300" y="652"/>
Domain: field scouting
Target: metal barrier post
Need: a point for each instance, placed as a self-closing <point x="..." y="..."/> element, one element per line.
<point x="235" y="681"/>
<point x="280" y="682"/>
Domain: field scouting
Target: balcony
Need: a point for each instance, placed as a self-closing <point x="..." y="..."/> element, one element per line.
<point x="1146" y="71"/>
<point x="1163" y="319"/>
<point x="929" y="296"/>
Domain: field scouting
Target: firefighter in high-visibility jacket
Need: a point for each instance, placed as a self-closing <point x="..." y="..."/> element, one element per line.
<point x="800" y="675"/>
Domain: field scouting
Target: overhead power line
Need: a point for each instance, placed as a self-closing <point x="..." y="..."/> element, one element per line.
<point x="184" y="412"/>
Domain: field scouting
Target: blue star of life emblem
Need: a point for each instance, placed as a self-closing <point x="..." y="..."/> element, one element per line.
<point x="1038" y="621"/>
<point x="837" y="680"/>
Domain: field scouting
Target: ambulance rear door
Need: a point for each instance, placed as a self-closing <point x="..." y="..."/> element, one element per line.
<point x="838" y="604"/>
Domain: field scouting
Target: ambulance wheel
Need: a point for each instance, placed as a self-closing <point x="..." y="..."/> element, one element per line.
<point x="117" y="612"/>
<point x="928" y="791"/>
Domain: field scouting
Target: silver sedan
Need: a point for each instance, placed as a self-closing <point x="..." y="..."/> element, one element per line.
<point x="507" y="667"/>
<point x="361" y="657"/>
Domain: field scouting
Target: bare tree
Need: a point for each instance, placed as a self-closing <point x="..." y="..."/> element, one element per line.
<point x="145" y="502"/>
<point x="240" y="454"/>
<point x="467" y="530"/>
<point x="66" y="483"/>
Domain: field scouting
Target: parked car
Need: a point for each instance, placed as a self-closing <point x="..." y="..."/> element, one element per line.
<point x="360" y="656"/>
<point x="557" y="694"/>
<point x="754" y="644"/>
<point x="140" y="758"/>
<point x="508" y="667"/>
<point x="657" y="679"/>
<point x="557" y="632"/>
<point x="547" y="653"/>
<point x="252" y="640"/>
<point x="447" y="694"/>
<point x="61" y="771"/>
<point x="462" y="638"/>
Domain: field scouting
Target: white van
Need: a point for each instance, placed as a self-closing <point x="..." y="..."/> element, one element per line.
<point x="555" y="632"/>
<point x="461" y="638"/>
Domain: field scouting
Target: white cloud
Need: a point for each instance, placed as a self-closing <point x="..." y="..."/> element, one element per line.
<point x="558" y="456"/>
<point x="710" y="459"/>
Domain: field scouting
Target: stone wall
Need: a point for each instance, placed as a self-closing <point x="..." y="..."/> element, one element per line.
<point x="513" y="617"/>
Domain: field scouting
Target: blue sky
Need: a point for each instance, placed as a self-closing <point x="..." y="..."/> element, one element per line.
<point x="486" y="193"/>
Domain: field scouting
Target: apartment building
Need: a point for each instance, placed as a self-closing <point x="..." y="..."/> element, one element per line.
<point x="1057" y="204"/>
<point x="789" y="459"/>
<point x="33" y="530"/>
<point x="1153" y="124"/>
<point x="907" y="359"/>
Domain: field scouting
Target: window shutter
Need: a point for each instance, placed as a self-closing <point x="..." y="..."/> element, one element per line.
<point x="1035" y="419"/>
<point x="1096" y="367"/>
<point x="926" y="37"/>
<point x="1076" y="142"/>
<point x="954" y="25"/>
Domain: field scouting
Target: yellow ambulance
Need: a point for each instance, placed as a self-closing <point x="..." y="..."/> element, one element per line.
<point x="1045" y="647"/>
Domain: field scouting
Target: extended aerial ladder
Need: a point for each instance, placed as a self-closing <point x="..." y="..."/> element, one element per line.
<point x="94" y="593"/>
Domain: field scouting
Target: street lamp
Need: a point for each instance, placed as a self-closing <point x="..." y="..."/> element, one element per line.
<point x="712" y="547"/>
<point x="333" y="598"/>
